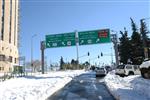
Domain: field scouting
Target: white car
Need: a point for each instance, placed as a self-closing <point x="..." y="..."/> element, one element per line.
<point x="128" y="70"/>
<point x="145" y="69"/>
<point x="101" y="72"/>
<point x="120" y="70"/>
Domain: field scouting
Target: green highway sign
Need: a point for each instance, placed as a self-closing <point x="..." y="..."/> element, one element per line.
<point x="84" y="38"/>
<point x="60" y="40"/>
<point x="94" y="37"/>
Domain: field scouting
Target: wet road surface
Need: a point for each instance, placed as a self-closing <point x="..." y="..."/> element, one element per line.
<point x="83" y="87"/>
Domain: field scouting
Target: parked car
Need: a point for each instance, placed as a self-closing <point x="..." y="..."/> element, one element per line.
<point x="120" y="70"/>
<point x="125" y="70"/>
<point x="108" y="68"/>
<point x="100" y="71"/>
<point x="145" y="69"/>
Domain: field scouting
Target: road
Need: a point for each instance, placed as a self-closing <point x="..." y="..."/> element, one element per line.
<point x="83" y="87"/>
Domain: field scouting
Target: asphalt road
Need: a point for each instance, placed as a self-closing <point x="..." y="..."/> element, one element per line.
<point x="83" y="87"/>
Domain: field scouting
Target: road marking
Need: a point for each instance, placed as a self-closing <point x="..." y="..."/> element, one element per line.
<point x="94" y="86"/>
<point x="100" y="97"/>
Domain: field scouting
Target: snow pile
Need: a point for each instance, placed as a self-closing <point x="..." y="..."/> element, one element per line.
<point x="37" y="87"/>
<point x="128" y="88"/>
<point x="145" y="64"/>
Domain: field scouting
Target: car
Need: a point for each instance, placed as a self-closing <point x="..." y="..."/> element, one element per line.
<point x="132" y="70"/>
<point x="100" y="71"/>
<point x="145" y="69"/>
<point x="125" y="70"/>
<point x="120" y="70"/>
<point x="108" y="68"/>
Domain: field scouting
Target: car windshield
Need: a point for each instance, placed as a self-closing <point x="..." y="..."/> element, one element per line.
<point x="121" y="66"/>
<point x="101" y="69"/>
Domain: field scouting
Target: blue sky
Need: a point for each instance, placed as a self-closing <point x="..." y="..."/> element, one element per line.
<point x="43" y="17"/>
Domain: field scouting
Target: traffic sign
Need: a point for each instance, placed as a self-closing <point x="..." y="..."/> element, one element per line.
<point x="60" y="40"/>
<point x="94" y="37"/>
<point x="84" y="38"/>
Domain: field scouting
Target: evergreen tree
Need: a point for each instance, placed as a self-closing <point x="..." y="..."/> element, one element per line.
<point x="144" y="32"/>
<point x="136" y="45"/>
<point x="61" y="63"/>
<point x="124" y="47"/>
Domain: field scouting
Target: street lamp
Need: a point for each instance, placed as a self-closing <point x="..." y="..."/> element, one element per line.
<point x="114" y="39"/>
<point x="32" y="50"/>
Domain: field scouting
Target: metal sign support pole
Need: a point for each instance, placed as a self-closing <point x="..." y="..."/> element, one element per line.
<point x="42" y="55"/>
<point x="77" y="44"/>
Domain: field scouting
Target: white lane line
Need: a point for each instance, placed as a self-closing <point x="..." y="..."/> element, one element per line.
<point x="94" y="86"/>
<point x="100" y="97"/>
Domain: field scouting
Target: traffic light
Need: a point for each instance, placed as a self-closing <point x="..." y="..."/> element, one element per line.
<point x="88" y="53"/>
<point x="101" y="54"/>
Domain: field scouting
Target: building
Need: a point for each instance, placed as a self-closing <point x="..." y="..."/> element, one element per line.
<point x="9" y="28"/>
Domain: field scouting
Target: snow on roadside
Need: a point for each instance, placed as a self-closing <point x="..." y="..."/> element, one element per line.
<point x="128" y="88"/>
<point x="37" y="87"/>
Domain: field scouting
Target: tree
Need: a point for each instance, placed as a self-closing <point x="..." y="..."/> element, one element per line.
<point x="61" y="63"/>
<point x="36" y="65"/>
<point x="136" y="45"/>
<point x="144" y="32"/>
<point x="124" y="47"/>
<point x="74" y="63"/>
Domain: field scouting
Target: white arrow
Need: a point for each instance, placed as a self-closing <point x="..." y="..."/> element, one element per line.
<point x="97" y="40"/>
<point x="82" y="41"/>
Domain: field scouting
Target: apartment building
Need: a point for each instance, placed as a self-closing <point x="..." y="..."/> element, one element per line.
<point x="9" y="28"/>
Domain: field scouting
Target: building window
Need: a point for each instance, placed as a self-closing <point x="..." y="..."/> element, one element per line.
<point x="3" y="13"/>
<point x="10" y="58"/>
<point x="10" y="21"/>
<point x="2" y="57"/>
<point x="15" y="60"/>
<point x="1" y="68"/>
<point x="2" y="48"/>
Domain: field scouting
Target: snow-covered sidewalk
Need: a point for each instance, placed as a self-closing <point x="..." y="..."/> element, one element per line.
<point x="128" y="88"/>
<point x="37" y="87"/>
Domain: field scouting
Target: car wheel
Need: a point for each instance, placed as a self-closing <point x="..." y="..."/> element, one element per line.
<point x="131" y="73"/>
<point x="145" y="72"/>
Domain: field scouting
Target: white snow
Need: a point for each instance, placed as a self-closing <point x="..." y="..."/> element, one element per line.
<point x="145" y="64"/>
<point x="128" y="88"/>
<point x="36" y="87"/>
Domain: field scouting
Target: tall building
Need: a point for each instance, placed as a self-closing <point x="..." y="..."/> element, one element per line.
<point x="9" y="27"/>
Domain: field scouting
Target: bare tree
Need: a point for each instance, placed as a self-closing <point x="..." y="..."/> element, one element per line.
<point x="36" y="65"/>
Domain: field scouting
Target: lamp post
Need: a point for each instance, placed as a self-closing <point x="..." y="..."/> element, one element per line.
<point x="114" y="39"/>
<point x="144" y="38"/>
<point x="32" y="50"/>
